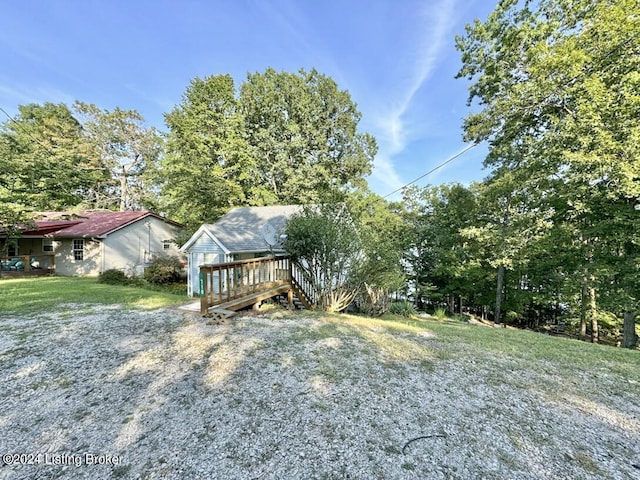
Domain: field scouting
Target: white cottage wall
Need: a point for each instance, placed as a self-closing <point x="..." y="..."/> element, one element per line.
<point x="133" y="246"/>
<point x="66" y="263"/>
<point x="203" y="251"/>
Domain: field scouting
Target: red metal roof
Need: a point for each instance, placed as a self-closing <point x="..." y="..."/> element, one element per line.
<point x="95" y="223"/>
<point x="46" y="228"/>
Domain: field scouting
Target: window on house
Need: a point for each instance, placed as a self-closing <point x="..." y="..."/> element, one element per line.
<point x="47" y="245"/>
<point x="12" y="250"/>
<point x="78" y="249"/>
<point x="166" y="244"/>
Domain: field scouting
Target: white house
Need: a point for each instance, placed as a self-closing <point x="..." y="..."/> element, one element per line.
<point x="90" y="242"/>
<point x="238" y="235"/>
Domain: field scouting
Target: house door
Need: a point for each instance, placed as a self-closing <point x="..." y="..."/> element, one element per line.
<point x="198" y="259"/>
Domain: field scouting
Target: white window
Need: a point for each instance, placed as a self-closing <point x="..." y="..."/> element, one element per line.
<point x="47" y="245"/>
<point x="166" y="244"/>
<point x="78" y="249"/>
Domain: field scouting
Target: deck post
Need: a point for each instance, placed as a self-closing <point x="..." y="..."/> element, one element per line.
<point x="204" y="298"/>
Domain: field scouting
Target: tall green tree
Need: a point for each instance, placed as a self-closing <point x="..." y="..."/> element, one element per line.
<point x="557" y="81"/>
<point x="46" y="162"/>
<point x="125" y="154"/>
<point x="282" y="138"/>
<point x="302" y="131"/>
<point x="207" y="169"/>
<point x="509" y="221"/>
<point x="441" y="266"/>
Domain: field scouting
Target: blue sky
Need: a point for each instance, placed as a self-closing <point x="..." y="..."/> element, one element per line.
<point x="395" y="57"/>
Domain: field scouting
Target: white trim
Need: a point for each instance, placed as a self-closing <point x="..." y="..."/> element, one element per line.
<point x="49" y="243"/>
<point x="146" y="215"/>
<point x="75" y="250"/>
<point x="194" y="238"/>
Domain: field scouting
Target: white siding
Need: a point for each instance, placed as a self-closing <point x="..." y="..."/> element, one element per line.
<point x="66" y="264"/>
<point x="203" y="251"/>
<point x="133" y="246"/>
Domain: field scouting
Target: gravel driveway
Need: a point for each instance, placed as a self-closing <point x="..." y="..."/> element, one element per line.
<point x="95" y="393"/>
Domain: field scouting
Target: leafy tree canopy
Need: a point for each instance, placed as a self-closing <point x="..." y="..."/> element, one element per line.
<point x="281" y="138"/>
<point x="556" y="84"/>
<point x="45" y="158"/>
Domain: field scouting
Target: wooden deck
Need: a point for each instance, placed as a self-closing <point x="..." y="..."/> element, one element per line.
<point x="237" y="285"/>
<point x="38" y="272"/>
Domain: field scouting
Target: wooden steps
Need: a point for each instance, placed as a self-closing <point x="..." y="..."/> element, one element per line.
<point x="243" y="302"/>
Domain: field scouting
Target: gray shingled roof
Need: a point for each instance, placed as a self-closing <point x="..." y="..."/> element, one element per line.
<point x="240" y="230"/>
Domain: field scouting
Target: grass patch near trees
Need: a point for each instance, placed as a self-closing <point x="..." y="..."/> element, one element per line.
<point x="42" y="294"/>
<point x="554" y="364"/>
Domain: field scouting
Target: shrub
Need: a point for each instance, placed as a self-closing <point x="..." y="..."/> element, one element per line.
<point x="163" y="271"/>
<point x="176" y="288"/>
<point x="406" y="309"/>
<point x="113" y="277"/>
<point x="440" y="313"/>
<point x="373" y="301"/>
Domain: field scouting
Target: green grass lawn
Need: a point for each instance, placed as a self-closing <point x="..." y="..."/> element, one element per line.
<point x="41" y="294"/>
<point x="518" y="349"/>
<point x="529" y="358"/>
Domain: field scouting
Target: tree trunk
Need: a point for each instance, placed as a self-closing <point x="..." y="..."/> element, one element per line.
<point x="583" y="309"/>
<point x="593" y="315"/>
<point x="123" y="190"/>
<point x="499" y="287"/>
<point x="629" y="336"/>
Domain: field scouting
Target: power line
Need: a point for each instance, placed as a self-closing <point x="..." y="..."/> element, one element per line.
<point x="450" y="159"/>
<point x="584" y="72"/>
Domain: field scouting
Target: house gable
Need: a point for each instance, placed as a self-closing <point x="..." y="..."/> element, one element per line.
<point x="238" y="234"/>
<point x="93" y="223"/>
<point x="240" y="230"/>
<point x="136" y="244"/>
<point x="203" y="241"/>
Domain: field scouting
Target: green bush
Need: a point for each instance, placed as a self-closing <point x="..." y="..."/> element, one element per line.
<point x="113" y="277"/>
<point x="163" y="271"/>
<point x="406" y="309"/>
<point x="440" y="313"/>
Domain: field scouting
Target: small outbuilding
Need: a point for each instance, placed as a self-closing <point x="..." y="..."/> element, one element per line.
<point x="243" y="233"/>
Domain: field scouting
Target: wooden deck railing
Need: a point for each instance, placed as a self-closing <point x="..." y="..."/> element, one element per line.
<point x="223" y="282"/>
<point x="303" y="288"/>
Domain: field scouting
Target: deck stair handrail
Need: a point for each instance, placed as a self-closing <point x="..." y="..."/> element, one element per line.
<point x="302" y="287"/>
<point x="224" y="282"/>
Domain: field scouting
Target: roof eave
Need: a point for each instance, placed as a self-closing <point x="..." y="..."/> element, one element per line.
<point x="198" y="234"/>
<point x="278" y="250"/>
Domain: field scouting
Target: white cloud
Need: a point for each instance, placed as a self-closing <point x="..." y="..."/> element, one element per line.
<point x="10" y="97"/>
<point x="385" y="173"/>
<point x="435" y="23"/>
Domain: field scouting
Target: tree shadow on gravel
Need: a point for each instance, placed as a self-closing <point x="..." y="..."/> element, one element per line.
<point x="287" y="397"/>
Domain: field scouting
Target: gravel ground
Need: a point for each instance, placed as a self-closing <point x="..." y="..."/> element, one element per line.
<point x="112" y="393"/>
